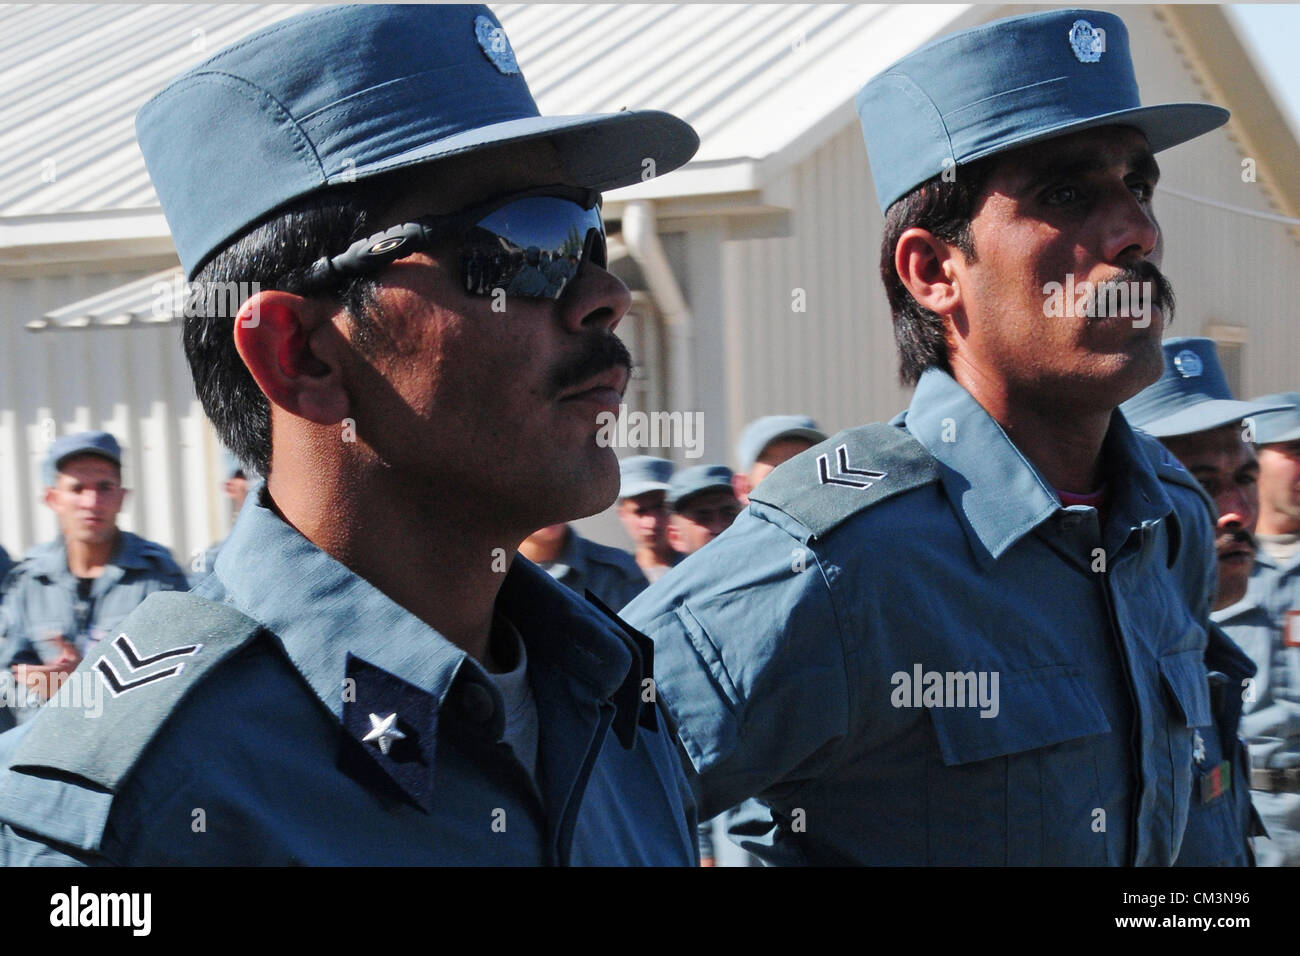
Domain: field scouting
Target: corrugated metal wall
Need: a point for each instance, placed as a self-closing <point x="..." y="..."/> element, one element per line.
<point x="132" y="381"/>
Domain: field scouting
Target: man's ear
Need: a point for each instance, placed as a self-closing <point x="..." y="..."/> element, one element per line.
<point x="48" y="497"/>
<point x="674" y="534"/>
<point x="741" y="486"/>
<point x="924" y="264"/>
<point x="292" y="350"/>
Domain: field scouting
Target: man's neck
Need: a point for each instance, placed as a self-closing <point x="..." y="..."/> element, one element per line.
<point x="544" y="552"/>
<point x="87" y="559"/>
<point x="653" y="557"/>
<point x="437" y="556"/>
<point x="1063" y="443"/>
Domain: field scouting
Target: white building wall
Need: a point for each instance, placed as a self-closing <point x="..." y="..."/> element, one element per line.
<point x="132" y="381"/>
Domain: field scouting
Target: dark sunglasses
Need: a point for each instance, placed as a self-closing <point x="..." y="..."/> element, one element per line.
<point x="529" y="244"/>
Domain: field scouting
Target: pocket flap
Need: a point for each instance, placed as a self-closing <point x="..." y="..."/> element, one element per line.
<point x="1188" y="684"/>
<point x="1035" y="709"/>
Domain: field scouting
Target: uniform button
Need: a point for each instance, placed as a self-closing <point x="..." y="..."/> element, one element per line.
<point x="475" y="702"/>
<point x="1069" y="521"/>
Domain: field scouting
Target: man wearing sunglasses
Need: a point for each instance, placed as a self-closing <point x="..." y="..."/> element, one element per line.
<point x="370" y="675"/>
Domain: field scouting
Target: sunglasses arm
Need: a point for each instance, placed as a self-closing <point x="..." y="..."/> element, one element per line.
<point x="371" y="255"/>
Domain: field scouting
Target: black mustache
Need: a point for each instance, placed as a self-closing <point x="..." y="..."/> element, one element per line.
<point x="1238" y="536"/>
<point x="601" y="351"/>
<point x="1150" y="277"/>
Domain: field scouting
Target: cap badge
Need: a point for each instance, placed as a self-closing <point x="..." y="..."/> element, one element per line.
<point x="1188" y="363"/>
<point x="1087" y="42"/>
<point x="495" y="44"/>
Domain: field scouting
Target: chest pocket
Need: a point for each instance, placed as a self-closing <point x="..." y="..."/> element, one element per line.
<point x="1011" y="785"/>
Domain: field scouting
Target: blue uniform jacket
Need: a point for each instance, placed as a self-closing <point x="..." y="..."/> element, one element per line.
<point x="221" y="742"/>
<point x="914" y="654"/>
<point x="610" y="574"/>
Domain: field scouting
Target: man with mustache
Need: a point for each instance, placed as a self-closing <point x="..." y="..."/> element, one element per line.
<point x="976" y="634"/>
<point x="1192" y="411"/>
<point x="370" y="675"/>
<point x="1266" y="623"/>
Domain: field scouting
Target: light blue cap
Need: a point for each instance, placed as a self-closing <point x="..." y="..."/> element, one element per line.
<point x="1281" y="425"/>
<point x="82" y="443"/>
<point x="699" y="478"/>
<point x="1192" y="394"/>
<point x="341" y="94"/>
<point x="643" y="473"/>
<point x="1007" y="84"/>
<point x="761" y="432"/>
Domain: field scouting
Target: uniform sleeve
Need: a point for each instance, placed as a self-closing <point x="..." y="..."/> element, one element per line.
<point x="749" y="660"/>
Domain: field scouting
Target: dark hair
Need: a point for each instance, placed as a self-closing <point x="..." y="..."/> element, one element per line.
<point x="944" y="208"/>
<point x="275" y="255"/>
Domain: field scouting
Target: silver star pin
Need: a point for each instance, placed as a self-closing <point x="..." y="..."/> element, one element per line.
<point x="383" y="731"/>
<point x="1198" y="747"/>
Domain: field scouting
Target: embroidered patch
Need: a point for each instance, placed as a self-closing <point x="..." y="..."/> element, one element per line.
<point x="137" y="668"/>
<point x="861" y="478"/>
<point x="495" y="45"/>
<point x="1188" y="364"/>
<point x="1087" y="42"/>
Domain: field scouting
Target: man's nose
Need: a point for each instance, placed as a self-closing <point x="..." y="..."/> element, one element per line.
<point x="595" y="299"/>
<point x="1238" y="508"/>
<point x="1133" y="232"/>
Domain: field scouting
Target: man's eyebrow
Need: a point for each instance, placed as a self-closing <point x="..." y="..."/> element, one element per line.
<point x="1065" y="165"/>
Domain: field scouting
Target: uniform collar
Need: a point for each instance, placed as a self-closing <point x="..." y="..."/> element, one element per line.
<point x="322" y="612"/>
<point x="999" y="495"/>
<point x="572" y="557"/>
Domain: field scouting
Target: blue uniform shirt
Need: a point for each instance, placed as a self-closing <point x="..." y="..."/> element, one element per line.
<point x="254" y="753"/>
<point x="610" y="574"/>
<point x="794" y="650"/>
<point x="1271" y="720"/>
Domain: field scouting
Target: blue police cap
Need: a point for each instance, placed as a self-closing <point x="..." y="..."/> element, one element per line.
<point x="1191" y="396"/>
<point x="1007" y="84"/>
<point x="692" y="481"/>
<point x="761" y="432"/>
<point x="643" y="473"/>
<point x="1281" y="425"/>
<point x="342" y="94"/>
<point x="82" y="443"/>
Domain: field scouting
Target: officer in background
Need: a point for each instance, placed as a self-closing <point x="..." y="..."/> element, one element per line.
<point x="1192" y="411"/>
<point x="703" y="504"/>
<point x="1266" y="623"/>
<point x="6" y="563"/>
<point x="234" y="486"/>
<point x="368" y="676"/>
<point x="974" y="635"/>
<point x="582" y="565"/>
<point x="767" y="442"/>
<point x="643" y="509"/>
<point x="70" y="593"/>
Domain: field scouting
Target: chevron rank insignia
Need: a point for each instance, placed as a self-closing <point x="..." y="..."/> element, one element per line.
<point x="123" y="669"/>
<point x="844" y="474"/>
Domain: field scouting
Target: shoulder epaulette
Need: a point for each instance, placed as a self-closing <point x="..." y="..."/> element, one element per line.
<point x="109" y="710"/>
<point x="850" y="471"/>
